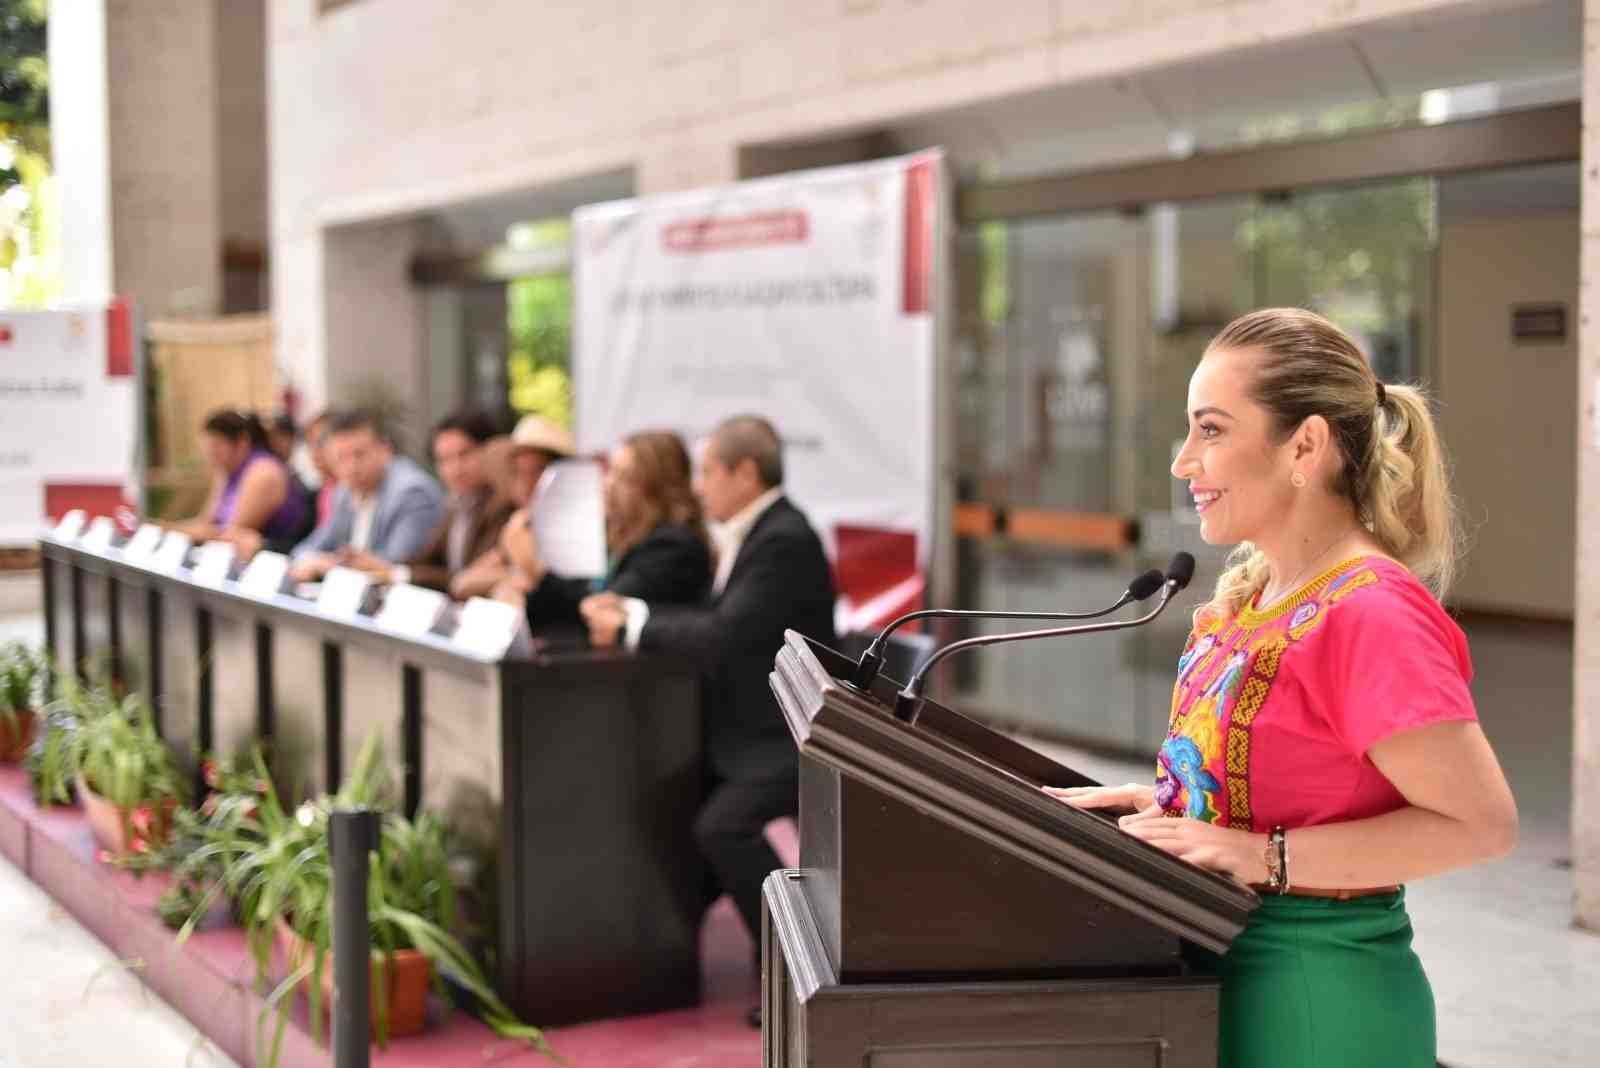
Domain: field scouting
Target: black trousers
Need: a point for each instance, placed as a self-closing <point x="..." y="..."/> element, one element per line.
<point x="728" y="831"/>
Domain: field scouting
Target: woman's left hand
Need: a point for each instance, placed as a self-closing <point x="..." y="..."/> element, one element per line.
<point x="1240" y="855"/>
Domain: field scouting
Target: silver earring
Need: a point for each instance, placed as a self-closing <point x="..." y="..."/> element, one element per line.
<point x="1298" y="479"/>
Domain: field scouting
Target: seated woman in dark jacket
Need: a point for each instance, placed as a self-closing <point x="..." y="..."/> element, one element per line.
<point x="656" y="539"/>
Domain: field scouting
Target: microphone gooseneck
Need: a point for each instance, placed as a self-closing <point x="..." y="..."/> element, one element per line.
<point x="871" y="662"/>
<point x="908" y="704"/>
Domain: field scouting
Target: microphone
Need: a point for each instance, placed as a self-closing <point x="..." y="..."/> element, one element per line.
<point x="871" y="662"/>
<point x="908" y="704"/>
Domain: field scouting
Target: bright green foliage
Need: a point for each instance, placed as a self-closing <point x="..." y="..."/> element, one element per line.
<point x="539" y="325"/>
<point x="272" y="864"/>
<point x="30" y="212"/>
<point x="24" y="674"/>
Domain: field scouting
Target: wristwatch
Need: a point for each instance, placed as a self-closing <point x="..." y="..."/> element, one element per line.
<point x="1276" y="858"/>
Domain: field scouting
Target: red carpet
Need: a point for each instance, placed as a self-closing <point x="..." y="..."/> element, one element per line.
<point x="208" y="979"/>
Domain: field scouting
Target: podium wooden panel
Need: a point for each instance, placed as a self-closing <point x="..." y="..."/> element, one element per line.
<point x="949" y="913"/>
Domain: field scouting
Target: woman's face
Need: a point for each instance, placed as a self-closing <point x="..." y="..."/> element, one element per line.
<point x="623" y="494"/>
<point x="527" y="465"/>
<point x="1237" y="474"/>
<point x="222" y="454"/>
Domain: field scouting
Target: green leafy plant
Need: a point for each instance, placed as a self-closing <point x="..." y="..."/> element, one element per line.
<point x="24" y="674"/>
<point x="274" y="865"/>
<point x="109" y="743"/>
<point x="52" y="759"/>
<point x="120" y="755"/>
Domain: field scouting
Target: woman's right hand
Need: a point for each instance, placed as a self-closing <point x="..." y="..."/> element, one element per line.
<point x="1128" y="798"/>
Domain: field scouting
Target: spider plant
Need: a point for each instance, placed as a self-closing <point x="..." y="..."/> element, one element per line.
<point x="275" y="864"/>
<point x="120" y="755"/>
<point x="24" y="673"/>
<point x="52" y="759"/>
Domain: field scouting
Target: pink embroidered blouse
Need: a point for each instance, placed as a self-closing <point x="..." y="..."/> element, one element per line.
<point x="1274" y="710"/>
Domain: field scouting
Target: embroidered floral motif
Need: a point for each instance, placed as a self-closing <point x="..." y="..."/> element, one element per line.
<point x="1224" y="678"/>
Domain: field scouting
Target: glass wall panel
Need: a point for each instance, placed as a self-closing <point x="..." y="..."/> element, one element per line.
<point x="1076" y="339"/>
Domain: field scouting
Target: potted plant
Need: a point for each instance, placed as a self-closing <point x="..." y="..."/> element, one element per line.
<point x="275" y="866"/>
<point x="125" y="774"/>
<point x="23" y="673"/>
<point x="51" y="762"/>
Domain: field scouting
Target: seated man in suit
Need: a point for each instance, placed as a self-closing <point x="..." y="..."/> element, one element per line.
<point x="474" y="515"/>
<point x="771" y="575"/>
<point x="385" y="505"/>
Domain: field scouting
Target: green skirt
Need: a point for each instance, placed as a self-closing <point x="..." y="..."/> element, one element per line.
<point x="1319" y="983"/>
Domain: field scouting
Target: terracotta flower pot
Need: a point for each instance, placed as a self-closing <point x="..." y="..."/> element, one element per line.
<point x="121" y="830"/>
<point x="16" y="736"/>
<point x="407" y="980"/>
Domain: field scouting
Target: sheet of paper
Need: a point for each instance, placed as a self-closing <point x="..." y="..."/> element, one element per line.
<point x="169" y="558"/>
<point x="569" y="520"/>
<point x="487" y="627"/>
<point x="411" y="610"/>
<point x="214" y="563"/>
<point x="343" y="591"/>
<point x="142" y="546"/>
<point x="264" y="575"/>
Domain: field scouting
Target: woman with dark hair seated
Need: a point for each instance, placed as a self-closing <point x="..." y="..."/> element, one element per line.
<point x="256" y="501"/>
<point x="655" y="537"/>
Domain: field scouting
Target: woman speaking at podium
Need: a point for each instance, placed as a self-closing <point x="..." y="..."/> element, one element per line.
<point x="1323" y="746"/>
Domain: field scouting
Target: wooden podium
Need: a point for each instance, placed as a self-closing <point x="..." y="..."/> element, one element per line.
<point x="949" y="914"/>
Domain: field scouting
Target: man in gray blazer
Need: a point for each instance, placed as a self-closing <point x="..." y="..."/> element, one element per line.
<point x="386" y="505"/>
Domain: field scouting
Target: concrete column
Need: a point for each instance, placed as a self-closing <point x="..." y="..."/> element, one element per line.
<point x="165" y="188"/>
<point x="81" y="147"/>
<point x="1586" y="629"/>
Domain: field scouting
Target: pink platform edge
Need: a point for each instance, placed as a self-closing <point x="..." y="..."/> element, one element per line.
<point x="208" y="978"/>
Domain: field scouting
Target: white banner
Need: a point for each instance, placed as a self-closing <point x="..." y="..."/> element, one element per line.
<point x="806" y="298"/>
<point x="68" y="416"/>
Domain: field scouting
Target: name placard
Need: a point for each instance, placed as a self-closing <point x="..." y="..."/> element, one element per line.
<point x="213" y="564"/>
<point x="101" y="535"/>
<point x="343" y="590"/>
<point x="264" y="574"/>
<point x="411" y="610"/>
<point x="71" y="526"/>
<point x="487" y="627"/>
<point x="174" y="550"/>
<point x="142" y="546"/>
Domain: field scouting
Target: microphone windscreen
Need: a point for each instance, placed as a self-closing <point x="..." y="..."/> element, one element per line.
<point x="1146" y="584"/>
<point x="1181" y="570"/>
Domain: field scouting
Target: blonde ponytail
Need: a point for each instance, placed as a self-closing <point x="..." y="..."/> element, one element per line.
<point x="1407" y="502"/>
<point x="1394" y="470"/>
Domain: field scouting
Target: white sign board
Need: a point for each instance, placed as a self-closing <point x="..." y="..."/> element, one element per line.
<point x="142" y="546"/>
<point x="411" y="610"/>
<point x="487" y="627"/>
<point x="569" y="519"/>
<point x="68" y="415"/>
<point x="214" y="563"/>
<point x="169" y="559"/>
<point x="100" y="536"/>
<point x="71" y="526"/>
<point x="343" y="591"/>
<point x="263" y="576"/>
<point x="807" y="298"/>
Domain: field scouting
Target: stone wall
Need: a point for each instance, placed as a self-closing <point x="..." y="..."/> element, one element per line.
<point x="374" y="112"/>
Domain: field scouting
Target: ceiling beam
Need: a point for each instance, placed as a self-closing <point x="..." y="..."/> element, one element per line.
<point x="1512" y="139"/>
